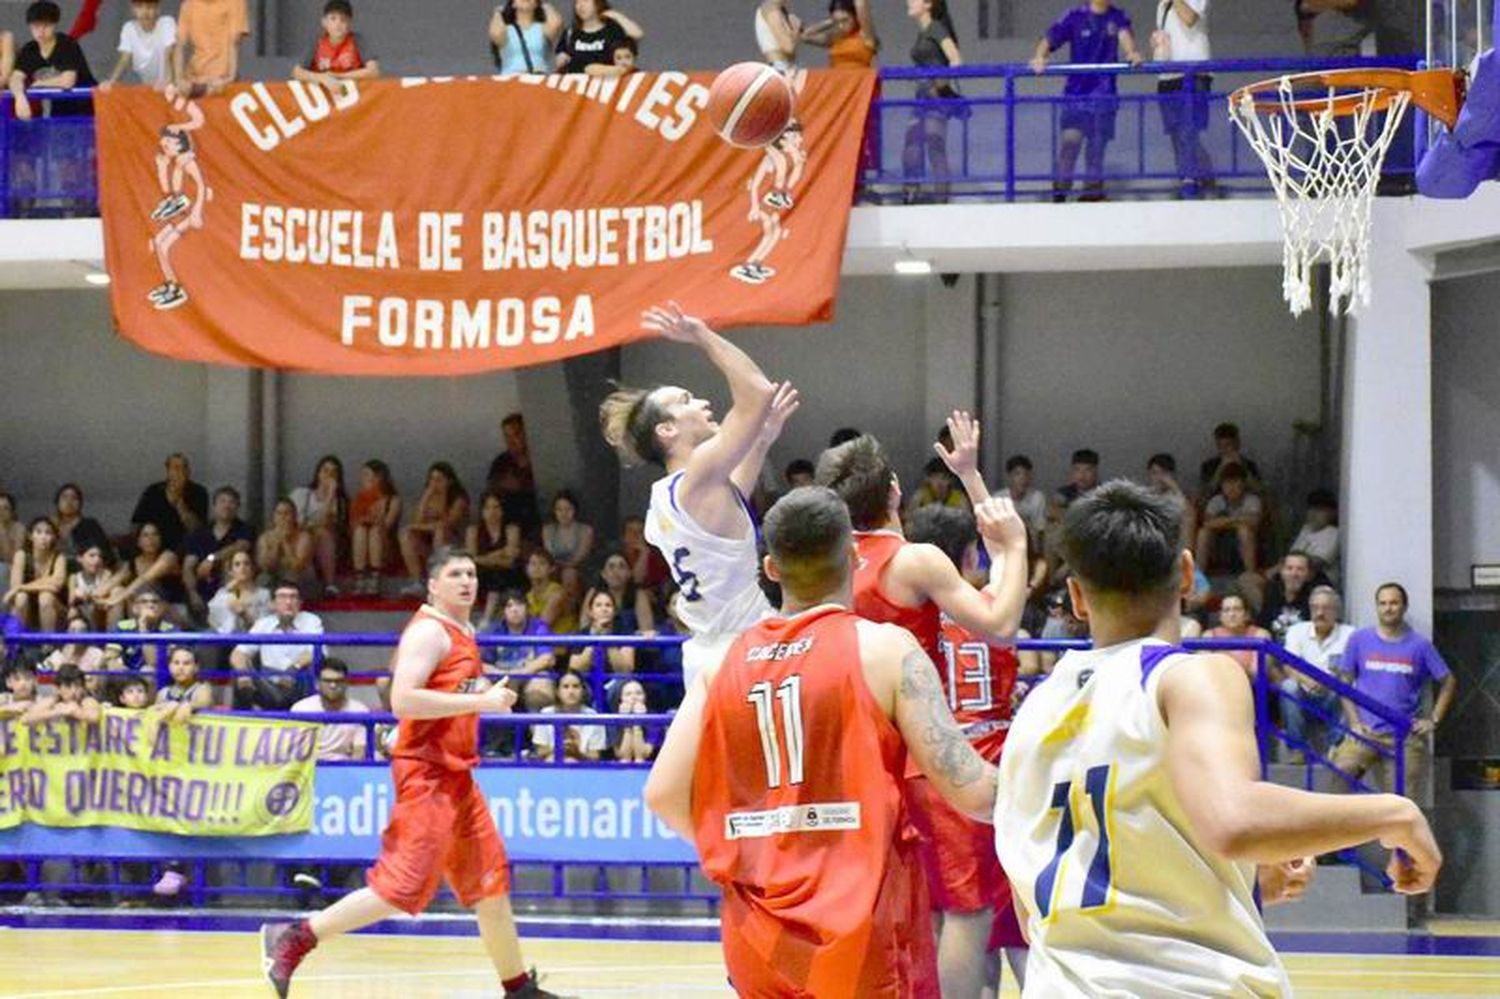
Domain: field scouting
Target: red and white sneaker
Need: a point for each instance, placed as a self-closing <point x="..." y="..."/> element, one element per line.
<point x="282" y="948"/>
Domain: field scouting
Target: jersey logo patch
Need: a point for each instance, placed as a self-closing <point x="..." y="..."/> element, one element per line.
<point x="826" y="816"/>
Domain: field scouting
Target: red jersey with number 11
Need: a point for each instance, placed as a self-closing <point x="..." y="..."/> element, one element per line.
<point x="797" y="812"/>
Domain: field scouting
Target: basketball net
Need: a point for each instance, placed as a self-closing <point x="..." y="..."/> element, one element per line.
<point x="1324" y="160"/>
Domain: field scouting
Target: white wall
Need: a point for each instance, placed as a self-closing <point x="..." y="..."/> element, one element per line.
<point x="1130" y="363"/>
<point x="1466" y="427"/>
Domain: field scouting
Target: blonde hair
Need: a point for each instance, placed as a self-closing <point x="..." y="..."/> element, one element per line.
<point x="628" y="419"/>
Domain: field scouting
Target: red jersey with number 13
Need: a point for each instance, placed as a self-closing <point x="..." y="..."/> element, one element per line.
<point x="797" y="811"/>
<point x="979" y="679"/>
<point x="450" y="743"/>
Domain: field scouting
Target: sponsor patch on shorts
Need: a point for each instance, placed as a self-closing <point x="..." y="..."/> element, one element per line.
<point x="828" y="816"/>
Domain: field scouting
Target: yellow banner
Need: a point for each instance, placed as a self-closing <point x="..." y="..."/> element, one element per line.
<point x="213" y="776"/>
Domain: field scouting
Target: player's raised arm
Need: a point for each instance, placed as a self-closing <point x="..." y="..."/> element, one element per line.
<point x="995" y="610"/>
<point x="783" y="404"/>
<point x="1213" y="763"/>
<point x="669" y="786"/>
<point x="422" y="647"/>
<point x="750" y="392"/>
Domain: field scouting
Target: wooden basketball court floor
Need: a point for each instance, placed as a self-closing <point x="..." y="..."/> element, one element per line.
<point x="40" y="963"/>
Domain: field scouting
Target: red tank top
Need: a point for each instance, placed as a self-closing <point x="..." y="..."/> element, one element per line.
<point x="450" y="743"/>
<point x="876" y="549"/>
<point x="980" y="680"/>
<point x="797" y="805"/>
<point x="345" y="57"/>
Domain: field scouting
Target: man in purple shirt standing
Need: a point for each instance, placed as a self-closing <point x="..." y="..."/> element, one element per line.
<point x="1391" y="664"/>
<point x="1095" y="33"/>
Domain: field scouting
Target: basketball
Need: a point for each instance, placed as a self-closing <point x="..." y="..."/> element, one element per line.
<point x="750" y="104"/>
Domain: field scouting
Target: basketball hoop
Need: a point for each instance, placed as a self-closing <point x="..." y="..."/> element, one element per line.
<point x="1323" y="137"/>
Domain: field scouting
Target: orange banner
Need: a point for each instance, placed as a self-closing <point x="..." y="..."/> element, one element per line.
<point x="443" y="227"/>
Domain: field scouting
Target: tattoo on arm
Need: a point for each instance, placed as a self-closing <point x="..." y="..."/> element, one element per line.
<point x="955" y="761"/>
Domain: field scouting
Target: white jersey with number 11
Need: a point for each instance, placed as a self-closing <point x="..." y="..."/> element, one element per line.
<point x="1122" y="898"/>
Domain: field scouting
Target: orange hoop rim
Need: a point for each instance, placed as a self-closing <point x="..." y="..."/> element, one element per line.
<point x="1439" y="92"/>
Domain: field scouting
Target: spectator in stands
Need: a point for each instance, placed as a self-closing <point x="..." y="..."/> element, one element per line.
<point x="1027" y="499"/>
<point x="51" y="59"/>
<point x="282" y="689"/>
<point x="526" y="660"/>
<point x="1234" y="622"/>
<point x="335" y="742"/>
<point x="647" y="567"/>
<point x="146" y="46"/>
<point x="588" y="45"/>
<point x="1392" y="664"/>
<point x="1334" y="28"/>
<point x="512" y="478"/>
<point x="373" y="517"/>
<point x="74" y="530"/>
<point x="1161" y="475"/>
<point x="1181" y="35"/>
<point x="927" y="135"/>
<point x="848" y="34"/>
<point x="580" y="742"/>
<point x="1320" y="642"/>
<point x="209" y="33"/>
<point x="496" y="547"/>
<point x="87" y="586"/>
<point x="799" y="472"/>
<point x="637" y="613"/>
<point x="1096" y="32"/>
<point x="38" y="579"/>
<point x="340" y="53"/>
<point x="571" y="613"/>
<point x="208" y="549"/>
<point x="1227" y="453"/>
<point x="20" y="688"/>
<point x="132" y="693"/>
<point x="438" y="520"/>
<point x="1288" y="595"/>
<point x="569" y="540"/>
<point x="12" y="538"/>
<point x="1234" y="512"/>
<point x="602" y="618"/>
<point x="284" y="548"/>
<point x="323" y="511"/>
<point x="521" y="33"/>
<point x="624" y="59"/>
<point x="1319" y="536"/>
<point x="1083" y="476"/>
<point x="70" y="701"/>
<point x="241" y="601"/>
<point x="177" y="504"/>
<point x="939" y="488"/>
<point x="777" y="32"/>
<point x="152" y="566"/>
<point x="631" y="743"/>
<point x="148" y="616"/>
<point x="544" y="597"/>
<point x="186" y="695"/>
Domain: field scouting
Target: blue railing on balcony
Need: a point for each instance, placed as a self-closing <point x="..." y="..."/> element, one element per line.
<point x="1001" y="137"/>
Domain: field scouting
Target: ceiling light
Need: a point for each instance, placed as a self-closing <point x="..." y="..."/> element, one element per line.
<point x="97" y="278"/>
<point x="913" y="266"/>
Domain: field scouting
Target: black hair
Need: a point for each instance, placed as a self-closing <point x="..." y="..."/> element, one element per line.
<point x="339" y="7"/>
<point x="1299" y="553"/>
<point x="1323" y="499"/>
<point x="1085" y="456"/>
<point x="43" y="12"/>
<point x="513" y="419"/>
<point x="628" y="43"/>
<point x="844" y="435"/>
<point x="1123" y="538"/>
<point x="519" y="596"/>
<point x="455" y="487"/>
<point x="1162" y="460"/>
<point x="382" y="476"/>
<point x="799" y="466"/>
<point x="151" y="591"/>
<point x="1392" y="585"/>
<point x="1016" y="461"/>
<point x="22" y="665"/>
<point x="600" y="6"/>
<point x="934" y="466"/>
<point x="64" y="488"/>
<point x="859" y="472"/>
<point x="571" y="497"/>
<point x="1234" y="470"/>
<point x="337" y="665"/>
<point x="1226" y="432"/>
<point x="847" y="6"/>
<point x="950" y="528"/>
<point x="808" y="534"/>
<point x="442" y="555"/>
<point x="286" y="583"/>
<point x="227" y="491"/>
<point x="123" y="683"/>
<point x="69" y="675"/>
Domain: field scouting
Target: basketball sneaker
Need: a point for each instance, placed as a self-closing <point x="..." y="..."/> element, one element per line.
<point x="778" y="199"/>
<point x="748" y="273"/>
<point x="171" y="205"/>
<point x="532" y="989"/>
<point x="168" y="296"/>
<point x="282" y="948"/>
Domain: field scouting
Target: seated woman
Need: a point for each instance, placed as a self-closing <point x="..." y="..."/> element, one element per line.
<point x="438" y="520"/>
<point x="598" y="661"/>
<point x="150" y="567"/>
<point x="634" y="602"/>
<point x="323" y="511"/>
<point x="1234" y="622"/>
<point x="241" y="601"/>
<point x="74" y="531"/>
<point x="564" y="536"/>
<point x="284" y="550"/>
<point x="496" y="547"/>
<point x="632" y="743"/>
<point x="38" y="579"/>
<point x="373" y="517"/>
<point x="544" y="594"/>
<point x="580" y="742"/>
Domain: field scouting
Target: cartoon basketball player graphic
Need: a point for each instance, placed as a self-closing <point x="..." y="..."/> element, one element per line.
<point x="176" y="164"/>
<point x="782" y="165"/>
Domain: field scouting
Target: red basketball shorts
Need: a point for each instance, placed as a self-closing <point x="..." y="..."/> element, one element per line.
<point x="958" y="854"/>
<point x="440" y="828"/>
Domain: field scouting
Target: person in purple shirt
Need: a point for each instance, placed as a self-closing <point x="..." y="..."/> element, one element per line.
<point x="1095" y="32"/>
<point x="1391" y="664"/>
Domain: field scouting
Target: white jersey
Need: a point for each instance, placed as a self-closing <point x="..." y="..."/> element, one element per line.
<point x="717" y="578"/>
<point x="1122" y="898"/>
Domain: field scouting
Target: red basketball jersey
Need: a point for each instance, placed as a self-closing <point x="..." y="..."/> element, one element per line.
<point x="797" y="810"/>
<point x="875" y="550"/>
<point x="980" y="681"/>
<point x="450" y="743"/>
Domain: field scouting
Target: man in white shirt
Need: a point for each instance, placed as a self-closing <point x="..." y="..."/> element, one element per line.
<point x="1320" y="642"/>
<point x="146" y="45"/>
<point x="1181" y="35"/>
<point x="275" y="692"/>
<point x="335" y="742"/>
<point x="1026" y="498"/>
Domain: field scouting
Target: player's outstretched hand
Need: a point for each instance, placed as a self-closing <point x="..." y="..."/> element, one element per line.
<point x="669" y="322"/>
<point x="1286" y="882"/>
<point x="964" y="458"/>
<point x="1415" y="857"/>
<point x="999" y="523"/>
<point x="498" y="699"/>
<point x="784" y="402"/>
